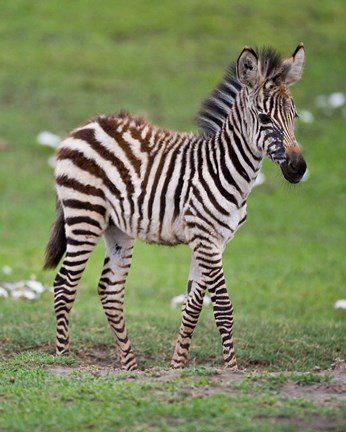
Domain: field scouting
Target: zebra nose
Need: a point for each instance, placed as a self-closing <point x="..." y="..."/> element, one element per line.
<point x="294" y="168"/>
<point x="297" y="166"/>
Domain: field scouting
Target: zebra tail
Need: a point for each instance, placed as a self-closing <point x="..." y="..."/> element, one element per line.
<point x="56" y="246"/>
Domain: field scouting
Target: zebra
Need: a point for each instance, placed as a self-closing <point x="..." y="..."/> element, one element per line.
<point x="125" y="179"/>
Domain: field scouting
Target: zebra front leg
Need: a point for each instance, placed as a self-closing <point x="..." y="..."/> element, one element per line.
<point x="190" y="313"/>
<point x="210" y="264"/>
<point x="112" y="287"/>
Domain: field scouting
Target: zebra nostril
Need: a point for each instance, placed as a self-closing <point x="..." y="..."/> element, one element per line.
<point x="297" y="165"/>
<point x="293" y="167"/>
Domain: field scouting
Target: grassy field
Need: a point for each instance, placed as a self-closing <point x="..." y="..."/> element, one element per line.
<point x="63" y="62"/>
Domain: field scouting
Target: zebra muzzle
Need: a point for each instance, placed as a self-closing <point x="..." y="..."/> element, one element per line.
<point x="294" y="168"/>
<point x="275" y="148"/>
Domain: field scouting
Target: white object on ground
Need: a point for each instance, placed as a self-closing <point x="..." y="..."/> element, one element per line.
<point x="177" y="300"/>
<point x="206" y="300"/>
<point x="7" y="269"/>
<point x="3" y="292"/>
<point x="29" y="289"/>
<point x="48" y="138"/>
<point x="261" y="178"/>
<point x="180" y="300"/>
<point x="306" y="116"/>
<point x="23" y="293"/>
<point x="340" y="304"/>
<point x="35" y="285"/>
<point x="336" y="100"/>
<point x="52" y="161"/>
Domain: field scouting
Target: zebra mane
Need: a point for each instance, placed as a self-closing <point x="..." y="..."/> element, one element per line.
<point x="216" y="108"/>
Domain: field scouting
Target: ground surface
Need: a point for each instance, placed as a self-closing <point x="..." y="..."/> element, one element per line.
<point x="323" y="389"/>
<point x="329" y="388"/>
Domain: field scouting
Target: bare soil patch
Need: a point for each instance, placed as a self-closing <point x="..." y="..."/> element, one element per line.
<point x="328" y="393"/>
<point x="3" y="144"/>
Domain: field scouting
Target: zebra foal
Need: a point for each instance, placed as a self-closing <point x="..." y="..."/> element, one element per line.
<point x="122" y="178"/>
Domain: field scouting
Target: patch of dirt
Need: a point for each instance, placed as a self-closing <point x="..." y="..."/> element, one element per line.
<point x="324" y="393"/>
<point x="317" y="423"/>
<point x="3" y="144"/>
<point x="331" y="391"/>
<point x="100" y="357"/>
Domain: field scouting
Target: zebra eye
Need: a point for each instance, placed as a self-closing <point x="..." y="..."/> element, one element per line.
<point x="264" y="118"/>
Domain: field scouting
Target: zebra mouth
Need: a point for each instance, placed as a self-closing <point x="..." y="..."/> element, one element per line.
<point x="293" y="171"/>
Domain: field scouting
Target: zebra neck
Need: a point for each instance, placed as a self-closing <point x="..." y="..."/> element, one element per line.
<point x="239" y="162"/>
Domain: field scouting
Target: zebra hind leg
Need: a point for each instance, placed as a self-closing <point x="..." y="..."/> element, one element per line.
<point x="111" y="290"/>
<point x="82" y="234"/>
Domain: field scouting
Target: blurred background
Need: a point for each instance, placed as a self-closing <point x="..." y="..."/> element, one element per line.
<point x="63" y="61"/>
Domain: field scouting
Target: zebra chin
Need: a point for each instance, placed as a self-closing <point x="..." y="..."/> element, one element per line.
<point x="294" y="170"/>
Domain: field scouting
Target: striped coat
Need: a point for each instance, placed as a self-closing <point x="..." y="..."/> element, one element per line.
<point x="122" y="178"/>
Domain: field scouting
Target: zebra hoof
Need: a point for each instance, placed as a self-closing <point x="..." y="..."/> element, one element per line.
<point x="177" y="364"/>
<point x="129" y="364"/>
<point x="232" y="368"/>
<point x="62" y="353"/>
<point x="130" y="368"/>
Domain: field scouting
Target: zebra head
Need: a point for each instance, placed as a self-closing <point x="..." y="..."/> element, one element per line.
<point x="265" y="79"/>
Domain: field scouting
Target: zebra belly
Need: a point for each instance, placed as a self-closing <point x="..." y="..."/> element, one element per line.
<point x="159" y="227"/>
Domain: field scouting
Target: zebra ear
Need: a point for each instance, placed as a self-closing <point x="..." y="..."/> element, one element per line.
<point x="247" y="67"/>
<point x="293" y="66"/>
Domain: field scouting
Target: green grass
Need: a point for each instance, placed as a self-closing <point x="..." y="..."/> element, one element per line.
<point x="63" y="62"/>
<point x="145" y="402"/>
